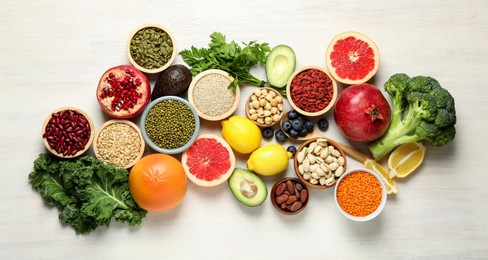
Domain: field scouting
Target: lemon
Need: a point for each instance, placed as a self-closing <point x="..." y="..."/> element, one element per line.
<point x="268" y="160"/>
<point x="391" y="187"/>
<point x="242" y="134"/>
<point x="405" y="159"/>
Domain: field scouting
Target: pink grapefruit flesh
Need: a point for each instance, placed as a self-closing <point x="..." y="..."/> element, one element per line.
<point x="209" y="161"/>
<point x="352" y="58"/>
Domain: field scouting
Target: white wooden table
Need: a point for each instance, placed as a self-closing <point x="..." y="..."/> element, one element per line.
<point x="53" y="53"/>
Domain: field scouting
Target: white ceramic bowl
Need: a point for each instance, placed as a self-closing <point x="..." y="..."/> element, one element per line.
<point x="378" y="210"/>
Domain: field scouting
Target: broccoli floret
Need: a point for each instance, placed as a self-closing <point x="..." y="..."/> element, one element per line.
<point x="422" y="110"/>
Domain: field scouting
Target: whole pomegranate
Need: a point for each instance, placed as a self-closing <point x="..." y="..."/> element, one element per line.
<point x="362" y="112"/>
<point x="123" y="91"/>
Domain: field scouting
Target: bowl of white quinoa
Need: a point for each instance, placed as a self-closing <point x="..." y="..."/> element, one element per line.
<point x="210" y="95"/>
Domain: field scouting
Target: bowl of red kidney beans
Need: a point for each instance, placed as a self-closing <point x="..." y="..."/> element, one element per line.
<point x="68" y="132"/>
<point x="311" y="91"/>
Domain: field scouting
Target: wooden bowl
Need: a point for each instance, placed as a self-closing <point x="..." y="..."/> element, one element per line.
<point x="309" y="136"/>
<point x="68" y="132"/>
<point x="257" y="116"/>
<point x="306" y="180"/>
<point x="300" y="110"/>
<point x="154" y="70"/>
<point x="273" y="196"/>
<point x="211" y="96"/>
<point x="120" y="149"/>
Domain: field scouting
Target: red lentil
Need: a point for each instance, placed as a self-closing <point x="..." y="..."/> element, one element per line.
<point x="311" y="90"/>
<point x="359" y="194"/>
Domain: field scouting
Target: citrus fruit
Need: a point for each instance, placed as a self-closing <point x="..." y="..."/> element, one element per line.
<point x="209" y="161"/>
<point x="158" y="182"/>
<point x="352" y="58"/>
<point x="405" y="159"/>
<point x="242" y="134"/>
<point x="268" y="160"/>
<point x="391" y="187"/>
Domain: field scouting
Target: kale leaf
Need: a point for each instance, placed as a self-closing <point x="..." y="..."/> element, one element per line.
<point x="88" y="192"/>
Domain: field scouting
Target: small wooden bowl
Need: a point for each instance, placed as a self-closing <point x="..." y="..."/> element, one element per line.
<point x="309" y="136"/>
<point x="96" y="148"/>
<point x="301" y="111"/>
<point x="191" y="96"/>
<point x="273" y="122"/>
<point x="306" y="144"/>
<point x="155" y="70"/>
<point x="87" y="145"/>
<point x="273" y="196"/>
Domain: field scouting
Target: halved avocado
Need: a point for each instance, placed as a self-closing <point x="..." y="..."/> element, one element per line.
<point x="280" y="64"/>
<point x="247" y="187"/>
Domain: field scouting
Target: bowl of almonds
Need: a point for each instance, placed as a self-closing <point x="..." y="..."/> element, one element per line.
<point x="320" y="162"/>
<point x="265" y="107"/>
<point x="289" y="196"/>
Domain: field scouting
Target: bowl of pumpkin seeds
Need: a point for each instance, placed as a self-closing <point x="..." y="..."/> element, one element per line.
<point x="170" y="125"/>
<point x="151" y="48"/>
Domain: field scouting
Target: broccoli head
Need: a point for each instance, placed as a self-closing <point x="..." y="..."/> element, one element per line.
<point x="422" y="111"/>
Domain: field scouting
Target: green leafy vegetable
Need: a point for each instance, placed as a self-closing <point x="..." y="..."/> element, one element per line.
<point x="88" y="192"/>
<point x="229" y="57"/>
<point x="422" y="111"/>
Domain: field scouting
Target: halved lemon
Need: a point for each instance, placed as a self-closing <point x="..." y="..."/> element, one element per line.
<point x="391" y="187"/>
<point x="405" y="159"/>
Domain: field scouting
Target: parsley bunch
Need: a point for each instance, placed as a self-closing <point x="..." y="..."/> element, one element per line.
<point x="229" y="57"/>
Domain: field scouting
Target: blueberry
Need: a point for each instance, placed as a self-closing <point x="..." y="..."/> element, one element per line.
<point x="293" y="114"/>
<point x="323" y="124"/>
<point x="286" y="126"/>
<point x="303" y="132"/>
<point x="293" y="133"/>
<point x="267" y="132"/>
<point x="280" y="136"/>
<point x="301" y="118"/>
<point x="292" y="149"/>
<point x="296" y="124"/>
<point x="309" y="126"/>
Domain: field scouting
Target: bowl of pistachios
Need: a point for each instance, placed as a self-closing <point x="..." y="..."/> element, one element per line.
<point x="170" y="125"/>
<point x="151" y="48"/>
<point x="320" y="162"/>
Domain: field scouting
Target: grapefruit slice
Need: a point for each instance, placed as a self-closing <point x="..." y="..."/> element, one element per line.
<point x="209" y="161"/>
<point x="352" y="58"/>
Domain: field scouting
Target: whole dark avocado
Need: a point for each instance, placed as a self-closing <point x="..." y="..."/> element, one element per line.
<point x="173" y="81"/>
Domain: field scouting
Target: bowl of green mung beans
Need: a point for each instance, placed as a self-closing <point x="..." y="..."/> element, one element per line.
<point x="151" y="48"/>
<point x="170" y="125"/>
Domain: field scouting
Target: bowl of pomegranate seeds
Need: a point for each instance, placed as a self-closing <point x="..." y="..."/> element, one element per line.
<point x="68" y="132"/>
<point x="311" y="91"/>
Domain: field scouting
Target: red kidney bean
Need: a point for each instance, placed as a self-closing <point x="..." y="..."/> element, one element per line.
<point x="62" y="135"/>
<point x="311" y="90"/>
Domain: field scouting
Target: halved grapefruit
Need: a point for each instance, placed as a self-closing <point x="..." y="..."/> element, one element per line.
<point x="352" y="58"/>
<point x="209" y="161"/>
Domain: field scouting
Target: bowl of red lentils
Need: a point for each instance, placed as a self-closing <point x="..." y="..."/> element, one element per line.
<point x="170" y="125"/>
<point x="311" y="91"/>
<point x="119" y="142"/>
<point x="68" y="132"/>
<point x="211" y="96"/>
<point x="360" y="195"/>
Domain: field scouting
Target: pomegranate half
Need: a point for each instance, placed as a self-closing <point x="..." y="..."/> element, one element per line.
<point x="123" y="92"/>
